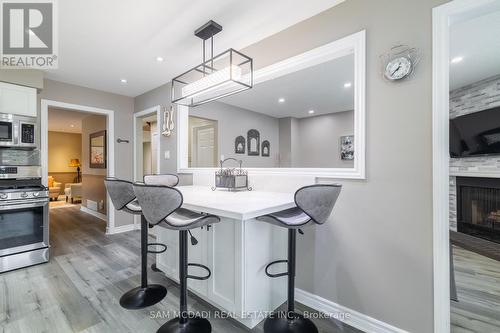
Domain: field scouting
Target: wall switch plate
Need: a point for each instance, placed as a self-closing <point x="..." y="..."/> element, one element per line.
<point x="167" y="154"/>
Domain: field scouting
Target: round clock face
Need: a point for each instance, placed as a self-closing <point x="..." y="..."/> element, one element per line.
<point x="398" y="68"/>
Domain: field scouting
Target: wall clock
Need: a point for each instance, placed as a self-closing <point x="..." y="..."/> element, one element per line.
<point x="399" y="63"/>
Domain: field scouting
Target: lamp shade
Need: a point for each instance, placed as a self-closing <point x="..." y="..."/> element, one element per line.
<point x="75" y="162"/>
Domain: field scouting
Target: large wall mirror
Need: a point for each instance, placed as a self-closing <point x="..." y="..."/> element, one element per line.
<point x="305" y="114"/>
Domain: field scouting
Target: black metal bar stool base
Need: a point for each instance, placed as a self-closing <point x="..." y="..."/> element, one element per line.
<point x="192" y="325"/>
<point x="282" y="324"/>
<point x="140" y="298"/>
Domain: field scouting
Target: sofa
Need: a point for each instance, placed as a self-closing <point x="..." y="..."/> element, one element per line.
<point x="73" y="192"/>
<point x="54" y="188"/>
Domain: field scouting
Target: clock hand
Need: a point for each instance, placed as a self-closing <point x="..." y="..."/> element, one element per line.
<point x="397" y="69"/>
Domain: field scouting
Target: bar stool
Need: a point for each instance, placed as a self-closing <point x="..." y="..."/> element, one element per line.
<point x="167" y="179"/>
<point x="122" y="195"/>
<point x="163" y="204"/>
<point x="314" y="204"/>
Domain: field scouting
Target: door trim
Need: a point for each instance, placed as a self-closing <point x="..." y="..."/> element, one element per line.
<point x="137" y="115"/>
<point x="110" y="127"/>
<point x="441" y="16"/>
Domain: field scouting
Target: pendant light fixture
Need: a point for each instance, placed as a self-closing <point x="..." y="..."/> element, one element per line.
<point x="219" y="76"/>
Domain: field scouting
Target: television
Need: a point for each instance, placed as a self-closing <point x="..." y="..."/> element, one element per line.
<point x="475" y="134"/>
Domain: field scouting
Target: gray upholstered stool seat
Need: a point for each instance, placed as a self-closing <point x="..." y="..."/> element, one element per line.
<point x="166" y="179"/>
<point x="184" y="219"/>
<point x="162" y="205"/>
<point x="122" y="195"/>
<point x="291" y="218"/>
<point x="314" y="204"/>
<point x="133" y="207"/>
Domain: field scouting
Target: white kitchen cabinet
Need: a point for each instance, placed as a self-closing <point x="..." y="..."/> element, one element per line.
<point x="17" y="100"/>
<point x="215" y="249"/>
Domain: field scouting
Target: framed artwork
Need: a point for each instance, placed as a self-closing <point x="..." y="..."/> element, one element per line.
<point x="253" y="142"/>
<point x="266" y="148"/>
<point x="239" y="145"/>
<point x="97" y="150"/>
<point x="347" y="147"/>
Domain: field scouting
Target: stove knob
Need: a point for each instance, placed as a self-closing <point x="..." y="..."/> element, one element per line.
<point x="3" y="196"/>
<point x="36" y="194"/>
<point x="24" y="195"/>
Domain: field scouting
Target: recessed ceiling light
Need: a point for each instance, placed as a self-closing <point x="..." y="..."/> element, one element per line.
<point x="123" y="81"/>
<point x="281" y="100"/>
<point x="310" y="111"/>
<point x="456" y="60"/>
<point x="159" y="59"/>
<point x="347" y="85"/>
<point x="71" y="125"/>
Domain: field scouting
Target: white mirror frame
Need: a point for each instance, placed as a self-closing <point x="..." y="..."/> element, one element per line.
<point x="352" y="44"/>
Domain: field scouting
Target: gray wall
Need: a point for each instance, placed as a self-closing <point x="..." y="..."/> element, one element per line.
<point x="234" y="121"/>
<point x="375" y="255"/>
<point x="123" y="107"/>
<point x="314" y="142"/>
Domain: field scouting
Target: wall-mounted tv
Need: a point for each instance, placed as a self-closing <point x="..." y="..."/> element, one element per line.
<point x="475" y="134"/>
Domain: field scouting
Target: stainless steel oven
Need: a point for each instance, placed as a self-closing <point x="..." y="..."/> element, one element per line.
<point x="24" y="223"/>
<point x="18" y="131"/>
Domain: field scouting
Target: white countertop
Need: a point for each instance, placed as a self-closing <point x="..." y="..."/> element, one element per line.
<point x="240" y="205"/>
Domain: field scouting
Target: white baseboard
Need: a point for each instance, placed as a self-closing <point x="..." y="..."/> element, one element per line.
<point x="122" y="228"/>
<point x="353" y="318"/>
<point x="94" y="213"/>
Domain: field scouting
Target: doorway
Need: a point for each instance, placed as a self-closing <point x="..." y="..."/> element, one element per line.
<point x="147" y="142"/>
<point x="98" y="154"/>
<point x="464" y="64"/>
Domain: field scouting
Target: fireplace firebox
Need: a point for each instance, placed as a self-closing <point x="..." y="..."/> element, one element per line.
<point x="478" y="207"/>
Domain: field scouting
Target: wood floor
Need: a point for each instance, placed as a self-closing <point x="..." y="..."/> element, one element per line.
<point x="478" y="286"/>
<point x="79" y="289"/>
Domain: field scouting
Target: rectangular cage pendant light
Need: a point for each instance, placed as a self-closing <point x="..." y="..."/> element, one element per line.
<point x="222" y="75"/>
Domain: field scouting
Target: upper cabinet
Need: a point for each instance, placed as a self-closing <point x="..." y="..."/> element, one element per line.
<point x="18" y="100"/>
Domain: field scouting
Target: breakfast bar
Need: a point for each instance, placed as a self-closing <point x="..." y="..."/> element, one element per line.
<point x="236" y="250"/>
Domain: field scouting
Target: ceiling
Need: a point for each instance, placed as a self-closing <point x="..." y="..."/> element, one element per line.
<point x="319" y="88"/>
<point x="477" y="41"/>
<point x="102" y="42"/>
<point x="68" y="121"/>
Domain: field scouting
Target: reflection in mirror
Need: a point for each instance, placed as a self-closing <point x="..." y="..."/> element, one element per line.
<point x="303" y="119"/>
<point x="203" y="144"/>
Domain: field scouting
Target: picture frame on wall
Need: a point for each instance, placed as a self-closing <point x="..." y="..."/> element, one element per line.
<point x="253" y="142"/>
<point x="347" y="147"/>
<point x="239" y="145"/>
<point x="266" y="148"/>
<point x="97" y="150"/>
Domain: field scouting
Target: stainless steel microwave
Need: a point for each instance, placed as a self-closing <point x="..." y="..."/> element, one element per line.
<point x="18" y="131"/>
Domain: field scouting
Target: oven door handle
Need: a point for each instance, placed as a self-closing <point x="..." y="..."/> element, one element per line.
<point x="32" y="204"/>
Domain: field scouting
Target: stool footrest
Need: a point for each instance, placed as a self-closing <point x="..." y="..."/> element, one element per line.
<point x="157" y="251"/>
<point x="195" y="277"/>
<point x="279" y="274"/>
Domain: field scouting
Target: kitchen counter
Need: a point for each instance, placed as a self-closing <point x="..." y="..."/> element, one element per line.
<point x="236" y="250"/>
